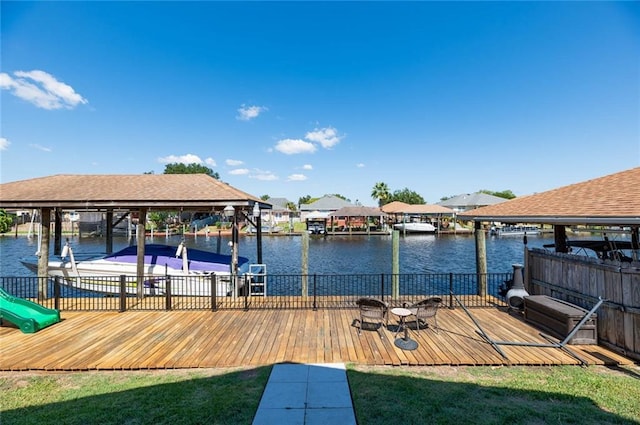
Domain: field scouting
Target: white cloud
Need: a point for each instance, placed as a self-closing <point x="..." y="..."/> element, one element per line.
<point x="266" y="176"/>
<point x="294" y="146"/>
<point x="210" y="162"/>
<point x="239" y="172"/>
<point x="40" y="147"/>
<point x="182" y="159"/>
<point x="41" y="89"/>
<point x="247" y="113"/>
<point x="263" y="175"/>
<point x="326" y="137"/>
<point x="233" y="162"/>
<point x="296" y="177"/>
<point x="307" y="167"/>
<point x="360" y="165"/>
<point x="4" y="144"/>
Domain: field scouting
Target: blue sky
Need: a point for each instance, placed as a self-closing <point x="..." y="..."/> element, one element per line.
<point x="289" y="99"/>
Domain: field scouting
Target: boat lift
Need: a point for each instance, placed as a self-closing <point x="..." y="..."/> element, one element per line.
<point x="562" y="344"/>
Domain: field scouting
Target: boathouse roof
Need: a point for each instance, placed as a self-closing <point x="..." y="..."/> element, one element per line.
<point x="397" y="207"/>
<point x="152" y="191"/>
<point x="394" y="207"/>
<point x="358" y="211"/>
<point x="608" y="200"/>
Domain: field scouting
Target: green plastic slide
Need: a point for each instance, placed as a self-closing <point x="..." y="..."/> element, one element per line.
<point x="28" y="316"/>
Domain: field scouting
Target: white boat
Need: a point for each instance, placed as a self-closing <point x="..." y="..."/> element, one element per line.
<point x="265" y="229"/>
<point x="415" y="227"/>
<point x="515" y="230"/>
<point x="315" y="228"/>
<point x="189" y="271"/>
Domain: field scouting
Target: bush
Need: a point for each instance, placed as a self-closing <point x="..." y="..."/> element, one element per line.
<point x="6" y="221"/>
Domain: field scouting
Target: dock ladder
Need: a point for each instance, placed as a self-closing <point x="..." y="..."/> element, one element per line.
<point x="257" y="279"/>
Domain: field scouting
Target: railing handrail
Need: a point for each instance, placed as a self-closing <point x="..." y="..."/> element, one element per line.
<point x="284" y="290"/>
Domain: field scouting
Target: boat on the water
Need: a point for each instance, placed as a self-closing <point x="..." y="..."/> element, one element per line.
<point x="514" y="230"/>
<point x="266" y="228"/>
<point x="190" y="270"/>
<point x="415" y="227"/>
<point x="315" y="228"/>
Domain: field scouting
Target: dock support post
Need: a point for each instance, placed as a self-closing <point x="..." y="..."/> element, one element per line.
<point x="481" y="259"/>
<point x="395" y="265"/>
<point x="305" y="264"/>
<point x="43" y="260"/>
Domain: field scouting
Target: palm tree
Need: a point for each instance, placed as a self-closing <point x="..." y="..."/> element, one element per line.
<point x="381" y="193"/>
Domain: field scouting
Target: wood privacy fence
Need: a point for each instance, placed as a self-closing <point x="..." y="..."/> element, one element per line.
<point x="581" y="281"/>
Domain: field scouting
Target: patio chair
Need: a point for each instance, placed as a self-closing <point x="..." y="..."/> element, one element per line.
<point x="372" y="311"/>
<point x="425" y="309"/>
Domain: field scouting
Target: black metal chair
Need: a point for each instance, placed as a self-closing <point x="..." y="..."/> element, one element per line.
<point x="425" y="309"/>
<point x="373" y="311"/>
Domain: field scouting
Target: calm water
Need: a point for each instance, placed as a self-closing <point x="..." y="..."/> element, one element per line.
<point x="333" y="255"/>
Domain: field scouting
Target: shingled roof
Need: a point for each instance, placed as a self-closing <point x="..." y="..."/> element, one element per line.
<point x="326" y="203"/>
<point x="471" y="200"/>
<point x="397" y="207"/>
<point x="394" y="207"/>
<point x="152" y="191"/>
<point x="358" y="211"/>
<point x="610" y="200"/>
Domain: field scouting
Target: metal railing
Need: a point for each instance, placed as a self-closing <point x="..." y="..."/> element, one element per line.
<point x="314" y="291"/>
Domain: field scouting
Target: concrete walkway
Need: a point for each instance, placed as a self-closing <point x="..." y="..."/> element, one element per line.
<point x="306" y="394"/>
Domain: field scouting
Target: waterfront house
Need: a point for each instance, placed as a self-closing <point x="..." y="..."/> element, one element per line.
<point x="279" y="213"/>
<point x="327" y="204"/>
<point x="470" y="201"/>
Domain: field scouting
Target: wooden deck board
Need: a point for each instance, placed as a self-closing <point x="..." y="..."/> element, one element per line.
<point x="264" y="352"/>
<point x="188" y="339"/>
<point x="281" y="349"/>
<point x="464" y="346"/>
<point x="232" y="340"/>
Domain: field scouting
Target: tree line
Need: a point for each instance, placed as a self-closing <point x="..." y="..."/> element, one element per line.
<point x="380" y="192"/>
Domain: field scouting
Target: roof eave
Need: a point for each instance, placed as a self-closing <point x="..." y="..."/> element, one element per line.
<point x="572" y="220"/>
<point x="134" y="205"/>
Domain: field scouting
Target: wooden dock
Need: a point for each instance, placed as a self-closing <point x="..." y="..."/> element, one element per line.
<point x="199" y="339"/>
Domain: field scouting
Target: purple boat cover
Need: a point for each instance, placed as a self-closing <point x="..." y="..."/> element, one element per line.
<point x="162" y="255"/>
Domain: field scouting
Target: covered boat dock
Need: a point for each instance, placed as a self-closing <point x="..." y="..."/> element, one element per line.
<point x="120" y="195"/>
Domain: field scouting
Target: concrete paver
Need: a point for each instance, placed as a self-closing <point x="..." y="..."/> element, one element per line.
<point x="306" y="394"/>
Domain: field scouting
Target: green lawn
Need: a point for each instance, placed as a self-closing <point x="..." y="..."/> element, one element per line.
<point x="502" y="395"/>
<point x="176" y="397"/>
<point x="382" y="395"/>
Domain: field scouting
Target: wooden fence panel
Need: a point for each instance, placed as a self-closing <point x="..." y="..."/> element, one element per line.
<point x="631" y="297"/>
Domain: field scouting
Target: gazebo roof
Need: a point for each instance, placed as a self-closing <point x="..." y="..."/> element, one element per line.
<point x="609" y="200"/>
<point x="99" y="192"/>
